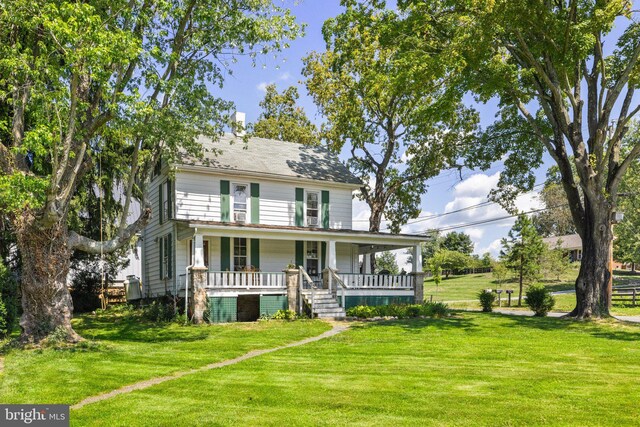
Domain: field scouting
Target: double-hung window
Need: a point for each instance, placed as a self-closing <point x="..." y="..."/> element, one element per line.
<point x="313" y="209"/>
<point x="239" y="253"/>
<point x="166" y="254"/>
<point x="240" y="202"/>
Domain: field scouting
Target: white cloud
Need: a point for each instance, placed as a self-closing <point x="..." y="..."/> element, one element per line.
<point x="262" y="86"/>
<point x="493" y="248"/>
<point x="285" y="76"/>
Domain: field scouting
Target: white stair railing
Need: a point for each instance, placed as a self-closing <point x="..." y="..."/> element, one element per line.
<point x="303" y="275"/>
<point x="340" y="286"/>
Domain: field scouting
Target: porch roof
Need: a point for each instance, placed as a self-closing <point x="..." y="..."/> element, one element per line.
<point x="381" y="241"/>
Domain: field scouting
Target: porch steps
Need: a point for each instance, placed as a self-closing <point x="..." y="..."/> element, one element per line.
<point x="325" y="306"/>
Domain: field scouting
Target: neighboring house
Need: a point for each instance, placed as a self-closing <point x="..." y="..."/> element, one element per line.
<point x="250" y="211"/>
<point x="572" y="245"/>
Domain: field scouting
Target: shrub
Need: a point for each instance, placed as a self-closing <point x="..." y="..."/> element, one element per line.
<point x="401" y="311"/>
<point x="487" y="298"/>
<point x="85" y="291"/>
<point x="159" y="311"/>
<point x="540" y="300"/>
<point x="362" y="311"/>
<point x="284" y="315"/>
<point x="9" y="299"/>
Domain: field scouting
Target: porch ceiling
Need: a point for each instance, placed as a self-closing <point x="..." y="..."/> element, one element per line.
<point x="367" y="241"/>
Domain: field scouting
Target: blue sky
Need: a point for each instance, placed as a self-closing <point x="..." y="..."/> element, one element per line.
<point x="447" y="192"/>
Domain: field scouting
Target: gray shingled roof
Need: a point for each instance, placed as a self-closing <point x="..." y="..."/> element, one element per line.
<point x="273" y="157"/>
<point x="567" y="242"/>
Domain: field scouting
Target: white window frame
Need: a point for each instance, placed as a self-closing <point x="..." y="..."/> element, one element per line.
<point x="318" y="193"/>
<point x="233" y="252"/>
<point x="232" y="197"/>
<point x="166" y="210"/>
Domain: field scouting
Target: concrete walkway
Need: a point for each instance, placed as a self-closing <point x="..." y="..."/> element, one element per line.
<point x="633" y="319"/>
<point x="337" y="328"/>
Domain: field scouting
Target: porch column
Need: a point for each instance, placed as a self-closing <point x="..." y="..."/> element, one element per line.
<point x="331" y="255"/>
<point x="366" y="263"/>
<point x="293" y="289"/>
<point x="198" y="280"/>
<point x="417" y="259"/>
<point x="198" y="250"/>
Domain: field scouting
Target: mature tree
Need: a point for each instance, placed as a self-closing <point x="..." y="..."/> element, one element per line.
<point x="448" y="261"/>
<point x="459" y="242"/>
<point x="487" y="260"/>
<point x="401" y="126"/>
<point x="92" y="95"/>
<point x="560" y="90"/>
<point x="281" y="118"/>
<point x="522" y="250"/>
<point x="387" y="261"/>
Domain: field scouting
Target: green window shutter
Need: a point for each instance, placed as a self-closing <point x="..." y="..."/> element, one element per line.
<point x="160" y="205"/>
<point x="225" y="253"/>
<point x="170" y="198"/>
<point x="323" y="256"/>
<point x="225" y="208"/>
<point x="255" y="203"/>
<point x="255" y="253"/>
<point x="299" y="207"/>
<point x="161" y="258"/>
<point x="170" y="253"/>
<point x="299" y="253"/>
<point x="325" y="209"/>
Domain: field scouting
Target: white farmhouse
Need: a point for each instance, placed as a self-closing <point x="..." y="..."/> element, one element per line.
<point x="248" y="212"/>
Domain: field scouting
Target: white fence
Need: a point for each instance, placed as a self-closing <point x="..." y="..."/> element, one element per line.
<point x="246" y="280"/>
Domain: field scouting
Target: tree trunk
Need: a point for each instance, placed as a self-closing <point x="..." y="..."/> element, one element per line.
<point x="593" y="294"/>
<point x="520" y="291"/>
<point x="374" y="227"/>
<point x="46" y="302"/>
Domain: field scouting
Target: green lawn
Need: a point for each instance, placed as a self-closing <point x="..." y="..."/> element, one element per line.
<point x="123" y="350"/>
<point x="473" y="369"/>
<point x="466" y="287"/>
<point x="461" y="291"/>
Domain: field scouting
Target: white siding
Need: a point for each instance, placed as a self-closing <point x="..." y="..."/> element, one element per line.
<point x="151" y="240"/>
<point x="276" y="254"/>
<point x="197" y="196"/>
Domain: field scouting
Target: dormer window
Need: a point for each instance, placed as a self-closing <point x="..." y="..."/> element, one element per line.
<point x="240" y="197"/>
<point x="313" y="211"/>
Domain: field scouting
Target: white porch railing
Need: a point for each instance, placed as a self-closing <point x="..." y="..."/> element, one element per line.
<point x="246" y="280"/>
<point x="376" y="281"/>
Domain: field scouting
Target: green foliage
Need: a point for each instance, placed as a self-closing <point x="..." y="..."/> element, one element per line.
<point x="540" y="300"/>
<point x="522" y="249"/>
<point x="487" y="299"/>
<point x="499" y="271"/>
<point x="401" y="311"/>
<point x="401" y="124"/>
<point x="284" y="315"/>
<point x="85" y="291"/>
<point x="159" y="311"/>
<point x="555" y="219"/>
<point x="458" y="242"/>
<point x="387" y="261"/>
<point x="555" y="262"/>
<point x="9" y="301"/>
<point x="626" y="245"/>
<point x="282" y="119"/>
<point x="447" y="261"/>
<point x="428" y="248"/>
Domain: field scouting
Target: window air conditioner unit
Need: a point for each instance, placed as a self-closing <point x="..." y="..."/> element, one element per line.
<point x="240" y="216"/>
<point x="312" y="221"/>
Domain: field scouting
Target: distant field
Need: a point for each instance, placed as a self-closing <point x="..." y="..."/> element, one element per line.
<point x="462" y="291"/>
